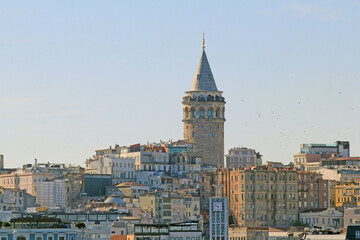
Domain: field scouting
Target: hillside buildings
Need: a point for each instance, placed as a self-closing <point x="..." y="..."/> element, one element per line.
<point x="311" y="154"/>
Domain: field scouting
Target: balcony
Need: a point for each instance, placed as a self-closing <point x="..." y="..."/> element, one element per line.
<point x="209" y="98"/>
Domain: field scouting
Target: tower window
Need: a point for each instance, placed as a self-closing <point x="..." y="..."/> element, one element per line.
<point x="193" y="134"/>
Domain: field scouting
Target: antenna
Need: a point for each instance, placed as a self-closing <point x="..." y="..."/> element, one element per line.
<point x="203" y="47"/>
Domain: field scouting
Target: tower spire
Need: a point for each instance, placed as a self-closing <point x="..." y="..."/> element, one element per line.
<point x="203" y="47"/>
<point x="203" y="80"/>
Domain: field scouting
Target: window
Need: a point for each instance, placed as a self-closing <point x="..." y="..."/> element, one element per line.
<point x="211" y="135"/>
<point x="193" y="134"/>
<point x="194" y="113"/>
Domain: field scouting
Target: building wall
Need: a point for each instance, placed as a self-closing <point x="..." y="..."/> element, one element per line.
<point x="1" y="162"/>
<point x="207" y="190"/>
<point x="94" y="185"/>
<point x="351" y="215"/>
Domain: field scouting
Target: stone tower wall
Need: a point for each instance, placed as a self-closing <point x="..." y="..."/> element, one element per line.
<point x="205" y="127"/>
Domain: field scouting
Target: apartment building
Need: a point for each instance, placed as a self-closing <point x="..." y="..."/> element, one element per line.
<point x="166" y="207"/>
<point x="314" y="191"/>
<point x="262" y="196"/>
<point x="186" y="165"/>
<point x="27" y="181"/>
<point x="51" y="193"/>
<point x="345" y="195"/>
<point x="121" y="169"/>
<point x="242" y="157"/>
<point x="15" y="200"/>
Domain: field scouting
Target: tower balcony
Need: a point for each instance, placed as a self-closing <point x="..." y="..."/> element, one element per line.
<point x="208" y="98"/>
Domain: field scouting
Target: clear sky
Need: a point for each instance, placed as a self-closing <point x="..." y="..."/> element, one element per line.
<point x="76" y="76"/>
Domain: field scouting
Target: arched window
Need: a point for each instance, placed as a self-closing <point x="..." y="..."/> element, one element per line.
<point x="210" y="113"/>
<point x="193" y="134"/>
<point x="202" y="112"/>
<point x="217" y="114"/>
<point x="193" y="112"/>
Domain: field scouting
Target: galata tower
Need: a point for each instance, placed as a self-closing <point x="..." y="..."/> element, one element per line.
<point x="204" y="114"/>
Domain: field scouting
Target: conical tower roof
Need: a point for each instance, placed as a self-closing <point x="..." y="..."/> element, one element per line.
<point x="203" y="80"/>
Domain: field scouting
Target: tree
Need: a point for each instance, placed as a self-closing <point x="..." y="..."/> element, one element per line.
<point x="80" y="225"/>
<point x="298" y="223"/>
<point x="5" y="224"/>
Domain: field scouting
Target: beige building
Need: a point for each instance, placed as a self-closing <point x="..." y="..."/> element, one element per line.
<point x="166" y="207"/>
<point x="26" y="181"/>
<point x="204" y="115"/>
<point x="351" y="216"/>
<point x="247" y="233"/>
<point x="261" y="196"/>
<point x="242" y="157"/>
<point x="307" y="161"/>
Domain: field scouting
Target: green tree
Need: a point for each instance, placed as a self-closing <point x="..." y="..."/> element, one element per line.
<point x="5" y="224"/>
<point x="80" y="225"/>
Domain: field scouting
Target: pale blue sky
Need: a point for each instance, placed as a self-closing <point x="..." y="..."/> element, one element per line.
<point x="76" y="76"/>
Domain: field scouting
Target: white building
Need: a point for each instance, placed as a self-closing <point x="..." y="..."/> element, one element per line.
<point x="121" y="168"/>
<point x="322" y="217"/>
<point x="51" y="193"/>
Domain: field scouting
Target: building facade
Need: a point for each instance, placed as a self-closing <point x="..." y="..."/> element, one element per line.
<point x="204" y="115"/>
<point x="219" y="218"/>
<point x="322" y="217"/>
<point x="121" y="169"/>
<point x="27" y="181"/>
<point x="345" y="195"/>
<point x="242" y="157"/>
<point x="314" y="191"/>
<point x="262" y="196"/>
